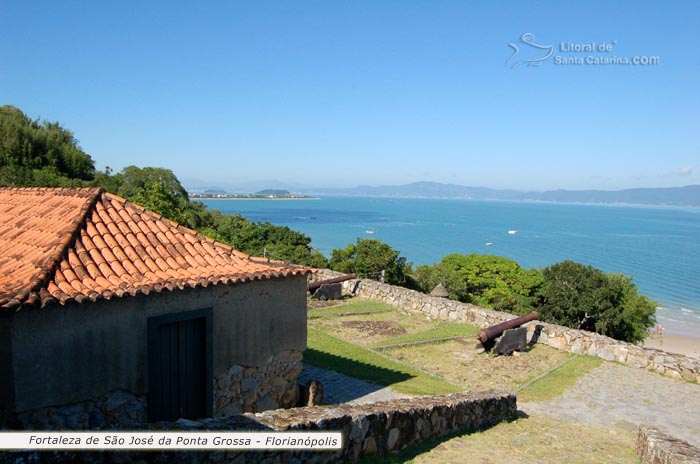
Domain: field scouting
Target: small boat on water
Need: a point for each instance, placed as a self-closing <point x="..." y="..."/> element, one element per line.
<point x="512" y="232"/>
<point x="489" y="243"/>
<point x="370" y="232"/>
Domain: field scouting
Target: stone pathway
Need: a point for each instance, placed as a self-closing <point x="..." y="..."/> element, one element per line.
<point x="339" y="388"/>
<point x="621" y="396"/>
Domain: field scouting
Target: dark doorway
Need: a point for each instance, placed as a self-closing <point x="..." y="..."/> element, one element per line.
<point x="180" y="366"/>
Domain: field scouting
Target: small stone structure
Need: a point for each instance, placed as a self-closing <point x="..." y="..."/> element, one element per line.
<point x="656" y="447"/>
<point x="440" y="291"/>
<point x="370" y="429"/>
<point x="575" y="341"/>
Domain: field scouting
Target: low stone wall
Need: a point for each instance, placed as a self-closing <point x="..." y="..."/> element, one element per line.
<point x="119" y="409"/>
<point x="655" y="447"/>
<point x="574" y="341"/>
<point x="370" y="429"/>
<point x="257" y="389"/>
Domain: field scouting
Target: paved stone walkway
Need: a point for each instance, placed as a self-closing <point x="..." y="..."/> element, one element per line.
<point x="339" y="388"/>
<point x="621" y="396"/>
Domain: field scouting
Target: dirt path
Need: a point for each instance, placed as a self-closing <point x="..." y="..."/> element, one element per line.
<point x="617" y="396"/>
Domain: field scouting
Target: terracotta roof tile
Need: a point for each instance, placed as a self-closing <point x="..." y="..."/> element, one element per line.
<point x="81" y="245"/>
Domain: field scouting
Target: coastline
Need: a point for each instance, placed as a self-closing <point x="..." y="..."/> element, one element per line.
<point x="263" y="199"/>
<point x="673" y="343"/>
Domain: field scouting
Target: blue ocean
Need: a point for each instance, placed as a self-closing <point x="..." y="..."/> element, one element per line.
<point x="658" y="246"/>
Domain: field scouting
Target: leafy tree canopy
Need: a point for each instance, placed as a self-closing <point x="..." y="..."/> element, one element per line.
<point x="586" y="298"/>
<point x="262" y="239"/>
<point x="368" y="258"/>
<point x="487" y="280"/>
<point x="39" y="153"/>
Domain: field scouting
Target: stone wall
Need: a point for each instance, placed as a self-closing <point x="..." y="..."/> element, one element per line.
<point x="655" y="447"/>
<point x="369" y="429"/>
<point x="239" y="389"/>
<point x="574" y="341"/>
<point x="117" y="410"/>
<point x="257" y="389"/>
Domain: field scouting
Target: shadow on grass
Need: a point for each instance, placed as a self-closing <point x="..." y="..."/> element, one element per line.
<point x="357" y="369"/>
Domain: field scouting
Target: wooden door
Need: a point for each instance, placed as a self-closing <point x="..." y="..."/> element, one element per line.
<point x="179" y="366"/>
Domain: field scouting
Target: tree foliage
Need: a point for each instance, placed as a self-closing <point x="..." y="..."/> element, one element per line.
<point x="586" y="298"/>
<point x="262" y="239"/>
<point x="487" y="280"/>
<point x="39" y="153"/>
<point x="368" y="258"/>
<point x="567" y="293"/>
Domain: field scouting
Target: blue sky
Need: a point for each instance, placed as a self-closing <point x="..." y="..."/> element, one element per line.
<point x="330" y="93"/>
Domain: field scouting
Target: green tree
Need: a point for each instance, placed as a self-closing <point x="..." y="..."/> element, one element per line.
<point x="262" y="238"/>
<point x="40" y="153"/>
<point x="368" y="258"/>
<point x="155" y="197"/>
<point x="584" y="297"/>
<point x="489" y="280"/>
<point x="428" y="277"/>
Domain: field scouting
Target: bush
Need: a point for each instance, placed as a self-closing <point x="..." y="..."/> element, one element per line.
<point x="368" y="258"/>
<point x="583" y="297"/>
<point x="487" y="280"/>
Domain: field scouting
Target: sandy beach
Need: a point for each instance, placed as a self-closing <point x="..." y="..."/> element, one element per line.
<point x="688" y="346"/>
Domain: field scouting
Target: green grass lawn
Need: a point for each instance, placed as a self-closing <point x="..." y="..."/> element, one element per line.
<point x="528" y="439"/>
<point x="353" y="307"/>
<point x="445" y="330"/>
<point x="556" y="382"/>
<point x="328" y="352"/>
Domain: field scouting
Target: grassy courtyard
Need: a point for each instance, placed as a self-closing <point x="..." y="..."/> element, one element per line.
<point x="415" y="355"/>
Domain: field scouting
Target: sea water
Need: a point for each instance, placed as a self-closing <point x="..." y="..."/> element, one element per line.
<point x="658" y="246"/>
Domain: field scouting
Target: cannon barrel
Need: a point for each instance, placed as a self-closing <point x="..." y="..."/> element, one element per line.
<point x="311" y="286"/>
<point x="494" y="331"/>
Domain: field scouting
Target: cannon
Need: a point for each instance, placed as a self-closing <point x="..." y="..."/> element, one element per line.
<point x="311" y="286"/>
<point x="329" y="289"/>
<point x="489" y="333"/>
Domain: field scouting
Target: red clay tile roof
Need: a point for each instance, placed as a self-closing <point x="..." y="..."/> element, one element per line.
<point x="60" y="245"/>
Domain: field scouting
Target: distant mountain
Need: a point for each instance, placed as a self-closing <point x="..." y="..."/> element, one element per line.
<point x="242" y="186"/>
<point x="421" y="190"/>
<point x="675" y="196"/>
<point x="273" y="193"/>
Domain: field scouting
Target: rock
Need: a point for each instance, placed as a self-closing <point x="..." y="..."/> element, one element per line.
<point x="248" y="384"/>
<point x="265" y="403"/>
<point x="370" y="446"/>
<point x="392" y="438"/>
<point x="224" y="383"/>
<point x="117" y="399"/>
<point x="231" y="409"/>
<point x="607" y="352"/>
<point x="359" y="428"/>
<point x="188" y="424"/>
<point x="235" y="372"/>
